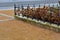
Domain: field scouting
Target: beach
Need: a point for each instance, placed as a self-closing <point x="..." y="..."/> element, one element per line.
<point x="20" y="30"/>
<point x="8" y="12"/>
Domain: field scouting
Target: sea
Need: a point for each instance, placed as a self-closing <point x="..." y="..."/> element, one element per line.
<point x="10" y="5"/>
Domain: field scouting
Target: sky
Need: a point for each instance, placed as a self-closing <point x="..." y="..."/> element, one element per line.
<point x="23" y="0"/>
<point x="17" y="0"/>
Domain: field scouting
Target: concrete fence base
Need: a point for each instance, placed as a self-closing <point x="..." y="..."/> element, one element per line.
<point x="46" y="25"/>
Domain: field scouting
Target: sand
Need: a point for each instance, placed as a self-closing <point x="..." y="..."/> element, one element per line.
<point x="8" y="12"/>
<point x="3" y="17"/>
<point x="19" y="30"/>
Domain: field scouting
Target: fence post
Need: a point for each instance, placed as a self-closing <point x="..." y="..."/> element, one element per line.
<point x="34" y="6"/>
<point x="59" y="2"/>
<point x="22" y="7"/>
<point x="53" y="5"/>
<point x="58" y="12"/>
<point x="50" y="14"/>
<point x="39" y="6"/>
<point x="15" y="9"/>
<point x="18" y="8"/>
<point x="33" y="11"/>
<point x="28" y="7"/>
<point x="44" y="5"/>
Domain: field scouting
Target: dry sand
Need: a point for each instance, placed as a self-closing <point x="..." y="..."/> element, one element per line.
<point x="19" y="30"/>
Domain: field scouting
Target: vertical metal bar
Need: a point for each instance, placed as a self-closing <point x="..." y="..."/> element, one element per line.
<point x="28" y="7"/>
<point x="15" y="9"/>
<point x="22" y="7"/>
<point x="39" y="6"/>
<point x="18" y="8"/>
<point x="53" y="5"/>
<point x="34" y="6"/>
<point x="58" y="12"/>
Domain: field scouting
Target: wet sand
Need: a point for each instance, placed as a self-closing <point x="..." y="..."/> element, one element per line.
<point x="19" y="30"/>
<point x="3" y="17"/>
<point x="8" y="12"/>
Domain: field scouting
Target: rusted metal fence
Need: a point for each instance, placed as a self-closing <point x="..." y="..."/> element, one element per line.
<point x="51" y="9"/>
